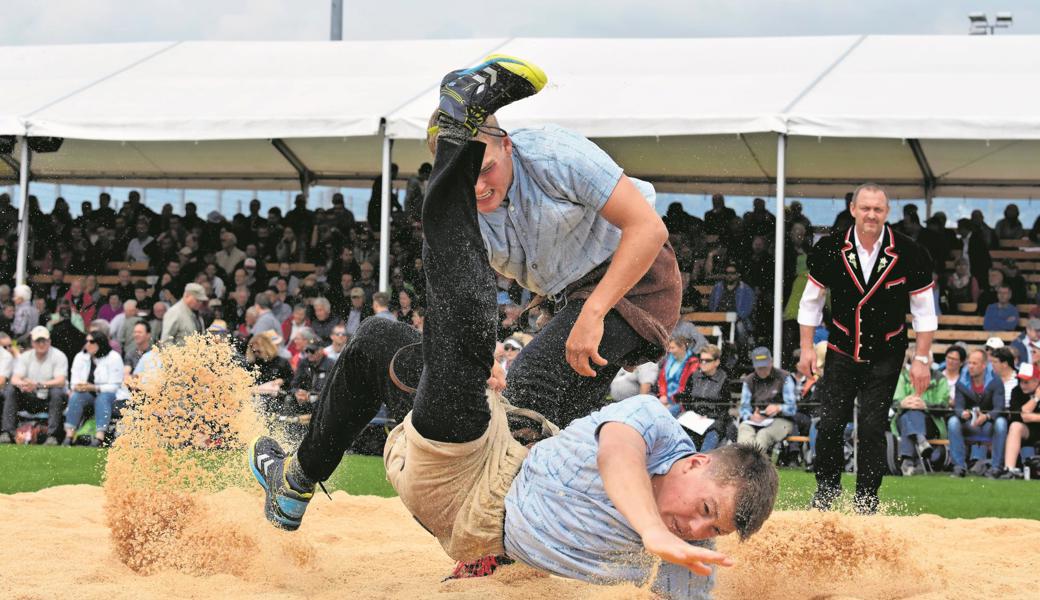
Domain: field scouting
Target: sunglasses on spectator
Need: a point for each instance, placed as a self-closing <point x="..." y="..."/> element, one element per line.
<point x="91" y="341"/>
<point x="708" y="359"/>
<point x="339" y="333"/>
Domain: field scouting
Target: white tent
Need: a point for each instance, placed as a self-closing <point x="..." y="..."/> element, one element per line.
<point x="925" y="115"/>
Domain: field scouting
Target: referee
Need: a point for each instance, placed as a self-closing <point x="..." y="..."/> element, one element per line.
<point x="876" y="276"/>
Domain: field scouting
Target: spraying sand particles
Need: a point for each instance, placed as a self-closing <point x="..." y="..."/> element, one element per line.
<point x="180" y="517"/>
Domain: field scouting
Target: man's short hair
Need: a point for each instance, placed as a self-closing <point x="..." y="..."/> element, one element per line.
<point x="1004" y="355"/>
<point x="23" y="291"/>
<point x="99" y="325"/>
<point x="712" y="350"/>
<point x="753" y="478"/>
<point x="382" y="298"/>
<point x="869" y="187"/>
<point x="147" y="326"/>
<point x="322" y="301"/>
<point x="263" y="300"/>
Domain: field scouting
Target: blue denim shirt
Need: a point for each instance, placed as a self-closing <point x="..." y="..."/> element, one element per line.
<point x="550" y="232"/>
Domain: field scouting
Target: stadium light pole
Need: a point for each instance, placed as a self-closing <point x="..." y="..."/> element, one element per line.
<point x="336" y="33"/>
<point x="978" y="23"/>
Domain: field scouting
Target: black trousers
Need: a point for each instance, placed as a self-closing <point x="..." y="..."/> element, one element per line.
<point x="542" y="380"/>
<point x="843" y="380"/>
<point x="458" y="346"/>
<point x="15" y="399"/>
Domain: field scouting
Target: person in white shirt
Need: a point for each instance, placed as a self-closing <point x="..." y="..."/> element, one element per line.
<point x="339" y="342"/>
<point x="97" y="373"/>
<point x="637" y="381"/>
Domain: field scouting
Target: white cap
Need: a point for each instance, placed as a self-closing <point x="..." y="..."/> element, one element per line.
<point x="994" y="343"/>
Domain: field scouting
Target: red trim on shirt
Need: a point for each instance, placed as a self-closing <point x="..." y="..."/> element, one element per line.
<point x="840" y="326"/>
<point x="924" y="289"/>
<point x="890" y="251"/>
<point x="893" y="334"/>
<point x="894" y="283"/>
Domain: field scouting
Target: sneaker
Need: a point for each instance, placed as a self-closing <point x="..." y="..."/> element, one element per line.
<point x="994" y="472"/>
<point x="907" y="467"/>
<point x="468" y="96"/>
<point x="1015" y="473"/>
<point x="51" y="441"/>
<point x="959" y="472"/>
<point x="5" y="438"/>
<point x="283" y="505"/>
<point x="924" y="449"/>
<point x="482" y="567"/>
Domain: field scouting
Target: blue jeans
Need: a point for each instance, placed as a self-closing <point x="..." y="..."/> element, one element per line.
<point x="102" y="403"/>
<point x="994" y="431"/>
<point x="912" y="422"/>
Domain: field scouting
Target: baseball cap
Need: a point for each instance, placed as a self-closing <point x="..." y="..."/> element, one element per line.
<point x="761" y="357"/>
<point x="196" y="290"/>
<point x="217" y="326"/>
<point x="994" y="343"/>
<point x="1033" y="323"/>
<point x="1026" y="371"/>
<point x="357" y="293"/>
<point x="40" y="333"/>
<point x="250" y="263"/>
<point x="514" y="344"/>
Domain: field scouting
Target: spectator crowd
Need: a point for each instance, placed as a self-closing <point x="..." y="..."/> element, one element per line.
<point x="289" y="290"/>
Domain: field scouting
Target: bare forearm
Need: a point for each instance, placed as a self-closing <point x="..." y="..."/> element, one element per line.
<point x="622" y="465"/>
<point x="805" y="334"/>
<point x="639" y="246"/>
<point x="923" y="344"/>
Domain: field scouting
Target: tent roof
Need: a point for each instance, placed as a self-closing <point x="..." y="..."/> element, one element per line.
<point x="689" y="114"/>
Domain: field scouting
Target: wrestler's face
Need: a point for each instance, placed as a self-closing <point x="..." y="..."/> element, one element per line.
<point x="496" y="173"/>
<point x="870" y="209"/>
<point x="692" y="504"/>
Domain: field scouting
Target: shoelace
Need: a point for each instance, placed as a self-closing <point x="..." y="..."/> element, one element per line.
<point x="481" y="567"/>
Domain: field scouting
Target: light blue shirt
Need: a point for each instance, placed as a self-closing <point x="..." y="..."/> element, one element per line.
<point x="559" y="518"/>
<point x="788" y="409"/>
<point x="550" y="233"/>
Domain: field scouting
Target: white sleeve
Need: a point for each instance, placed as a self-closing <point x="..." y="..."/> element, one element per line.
<point x="810" y="307"/>
<point x="922" y="307"/>
<point x="647" y="373"/>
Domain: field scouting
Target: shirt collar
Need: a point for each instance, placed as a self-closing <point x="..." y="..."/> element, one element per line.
<point x="859" y="245"/>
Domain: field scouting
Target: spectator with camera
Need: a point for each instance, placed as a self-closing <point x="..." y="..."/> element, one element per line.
<point x="978" y="404"/>
<point x="37" y="384"/>
<point x="97" y="373"/>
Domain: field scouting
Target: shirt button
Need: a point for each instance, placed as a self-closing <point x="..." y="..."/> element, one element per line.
<point x="534" y="266"/>
<point x="512" y="209"/>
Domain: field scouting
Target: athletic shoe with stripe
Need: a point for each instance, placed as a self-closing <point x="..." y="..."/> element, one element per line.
<point x="283" y="505"/>
<point x="468" y="96"/>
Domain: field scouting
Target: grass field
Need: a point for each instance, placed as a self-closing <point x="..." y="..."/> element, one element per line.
<point x="30" y="468"/>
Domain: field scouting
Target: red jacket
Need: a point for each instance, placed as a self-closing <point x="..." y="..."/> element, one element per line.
<point x="692" y="364"/>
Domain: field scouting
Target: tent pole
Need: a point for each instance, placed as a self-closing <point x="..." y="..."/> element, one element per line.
<point x="23" y="212"/>
<point x="778" y="263"/>
<point x="384" y="218"/>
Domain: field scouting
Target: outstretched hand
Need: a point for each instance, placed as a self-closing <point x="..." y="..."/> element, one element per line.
<point x="583" y="345"/>
<point x="669" y="547"/>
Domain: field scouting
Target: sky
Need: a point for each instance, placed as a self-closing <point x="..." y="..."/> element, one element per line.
<point x="92" y="21"/>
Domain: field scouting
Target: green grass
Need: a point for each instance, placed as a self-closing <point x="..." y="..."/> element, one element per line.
<point x="30" y="468"/>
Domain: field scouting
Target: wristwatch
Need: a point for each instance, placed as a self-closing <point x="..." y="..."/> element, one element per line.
<point x="924" y="360"/>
